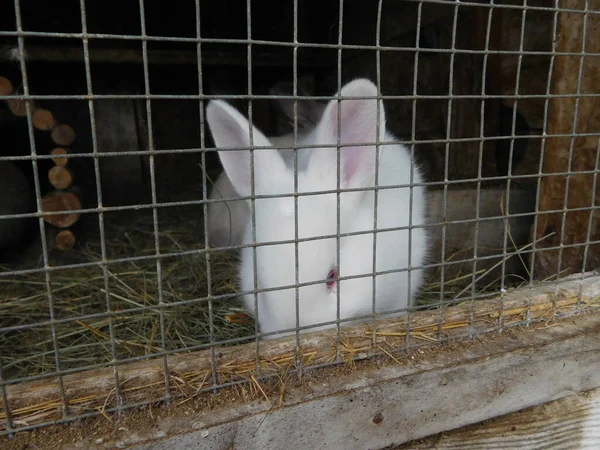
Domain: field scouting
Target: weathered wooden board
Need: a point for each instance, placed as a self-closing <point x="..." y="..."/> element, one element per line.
<point x="572" y="422"/>
<point x="425" y="391"/>
<point x="381" y="406"/>
<point x="569" y="115"/>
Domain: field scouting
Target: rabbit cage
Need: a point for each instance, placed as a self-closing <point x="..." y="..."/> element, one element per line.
<point x="107" y="166"/>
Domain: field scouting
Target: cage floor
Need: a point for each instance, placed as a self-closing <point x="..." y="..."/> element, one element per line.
<point x="85" y="334"/>
<point x="149" y="312"/>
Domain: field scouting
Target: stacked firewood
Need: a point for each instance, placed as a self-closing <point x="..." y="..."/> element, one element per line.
<point x="63" y="199"/>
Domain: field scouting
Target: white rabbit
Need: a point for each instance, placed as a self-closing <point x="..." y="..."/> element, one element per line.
<point x="226" y="220"/>
<point x="317" y="216"/>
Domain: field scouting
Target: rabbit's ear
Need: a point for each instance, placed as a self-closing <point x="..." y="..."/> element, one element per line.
<point x="230" y="129"/>
<point x="358" y="126"/>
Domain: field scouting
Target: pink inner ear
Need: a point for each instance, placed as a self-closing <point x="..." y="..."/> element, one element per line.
<point x="352" y="161"/>
<point x="359" y="123"/>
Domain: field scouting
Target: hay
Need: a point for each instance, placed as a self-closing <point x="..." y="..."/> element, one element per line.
<point x="137" y="329"/>
<point x="133" y="296"/>
<point x="261" y="374"/>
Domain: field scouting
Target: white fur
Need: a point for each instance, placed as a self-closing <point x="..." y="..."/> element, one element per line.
<point x="227" y="220"/>
<point x="317" y="216"/>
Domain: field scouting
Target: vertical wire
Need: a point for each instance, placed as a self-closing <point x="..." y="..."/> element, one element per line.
<point x="151" y="149"/>
<point x="413" y="136"/>
<point x="214" y="372"/>
<point x="378" y="126"/>
<point x="409" y="270"/>
<point x="38" y="199"/>
<point x="298" y="350"/>
<point x="95" y="156"/>
<point x="338" y="189"/>
<point x="446" y="155"/>
<point x="506" y="213"/>
<point x="480" y="160"/>
<point x="252" y="182"/>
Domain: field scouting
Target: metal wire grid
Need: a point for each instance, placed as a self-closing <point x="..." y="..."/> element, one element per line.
<point x="152" y="152"/>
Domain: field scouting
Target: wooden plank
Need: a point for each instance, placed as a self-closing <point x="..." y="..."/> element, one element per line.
<point x="568" y="115"/>
<point x="179" y="57"/>
<point x="572" y="422"/>
<point x="90" y="391"/>
<point x="385" y="405"/>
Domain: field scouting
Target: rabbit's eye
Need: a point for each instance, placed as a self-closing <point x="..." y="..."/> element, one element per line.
<point x="331" y="278"/>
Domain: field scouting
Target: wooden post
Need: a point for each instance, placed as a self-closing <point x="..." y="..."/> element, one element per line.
<point x="561" y="119"/>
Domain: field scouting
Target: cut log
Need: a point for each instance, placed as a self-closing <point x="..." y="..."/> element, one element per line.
<point x="63" y="135"/>
<point x="60" y="177"/>
<point x="573" y="228"/>
<point x="61" y="202"/>
<point x="65" y="240"/>
<point x="59" y="159"/>
<point x="18" y="108"/>
<point x="43" y="119"/>
<point x="6" y="87"/>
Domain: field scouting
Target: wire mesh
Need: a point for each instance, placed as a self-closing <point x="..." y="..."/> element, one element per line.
<point x="159" y="299"/>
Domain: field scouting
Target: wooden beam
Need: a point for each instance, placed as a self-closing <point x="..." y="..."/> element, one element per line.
<point x="384" y="406"/>
<point x="571" y="115"/>
<point x="574" y="421"/>
<point x="388" y="404"/>
<point x="179" y="57"/>
<point x="493" y="375"/>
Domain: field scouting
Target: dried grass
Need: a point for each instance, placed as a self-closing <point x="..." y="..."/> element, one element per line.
<point x="132" y="295"/>
<point x="138" y="321"/>
<point x="190" y="376"/>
